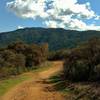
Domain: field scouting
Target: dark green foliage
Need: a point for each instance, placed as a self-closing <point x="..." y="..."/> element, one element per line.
<point x="19" y="47"/>
<point x="83" y="63"/>
<point x="36" y="54"/>
<point x="58" y="55"/>
<point x="19" y="57"/>
<point x="56" y="38"/>
<point x="11" y="63"/>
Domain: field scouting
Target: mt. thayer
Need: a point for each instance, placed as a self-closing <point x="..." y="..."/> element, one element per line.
<point x="57" y="38"/>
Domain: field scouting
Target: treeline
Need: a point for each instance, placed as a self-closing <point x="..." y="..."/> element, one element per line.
<point x="19" y="57"/>
<point x="58" y="54"/>
<point x="83" y="62"/>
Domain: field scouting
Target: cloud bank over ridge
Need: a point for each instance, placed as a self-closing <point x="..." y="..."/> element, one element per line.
<point x="68" y="14"/>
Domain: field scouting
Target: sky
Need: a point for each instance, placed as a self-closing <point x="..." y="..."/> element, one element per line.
<point x="68" y="14"/>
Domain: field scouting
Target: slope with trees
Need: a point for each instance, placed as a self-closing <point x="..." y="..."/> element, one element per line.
<point x="57" y="38"/>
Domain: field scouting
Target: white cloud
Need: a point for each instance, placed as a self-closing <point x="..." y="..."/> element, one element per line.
<point x="51" y="24"/>
<point x="72" y="7"/>
<point x="20" y="27"/>
<point x="97" y="17"/>
<point x="93" y="27"/>
<point x="27" y="8"/>
<point x="68" y="14"/>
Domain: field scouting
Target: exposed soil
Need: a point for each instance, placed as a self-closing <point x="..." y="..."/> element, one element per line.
<point x="36" y="88"/>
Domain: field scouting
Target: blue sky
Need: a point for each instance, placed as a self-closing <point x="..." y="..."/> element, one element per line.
<point x="10" y="22"/>
<point x="11" y="18"/>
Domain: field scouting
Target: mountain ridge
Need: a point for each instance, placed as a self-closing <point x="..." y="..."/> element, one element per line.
<point x="57" y="38"/>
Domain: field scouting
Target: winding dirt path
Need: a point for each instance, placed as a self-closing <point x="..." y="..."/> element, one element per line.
<point x="36" y="88"/>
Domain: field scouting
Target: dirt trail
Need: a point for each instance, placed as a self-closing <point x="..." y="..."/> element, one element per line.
<point x="36" y="88"/>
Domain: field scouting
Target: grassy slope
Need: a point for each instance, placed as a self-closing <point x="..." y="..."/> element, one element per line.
<point x="7" y="84"/>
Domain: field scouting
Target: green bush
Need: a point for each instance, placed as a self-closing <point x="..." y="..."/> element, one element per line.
<point x="83" y="63"/>
<point x="58" y="55"/>
<point x="19" y="57"/>
<point x="77" y="71"/>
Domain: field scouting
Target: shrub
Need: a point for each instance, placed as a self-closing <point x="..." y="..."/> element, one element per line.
<point x="76" y="71"/>
<point x="58" y="55"/>
<point x="18" y="57"/>
<point x="36" y="54"/>
<point x="83" y="63"/>
<point x="96" y="72"/>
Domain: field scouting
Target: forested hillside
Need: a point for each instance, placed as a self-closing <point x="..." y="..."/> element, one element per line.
<point x="56" y="38"/>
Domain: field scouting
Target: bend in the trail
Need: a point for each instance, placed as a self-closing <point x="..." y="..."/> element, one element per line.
<point x="36" y="89"/>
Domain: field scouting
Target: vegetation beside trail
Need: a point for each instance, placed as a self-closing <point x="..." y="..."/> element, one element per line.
<point x="83" y="62"/>
<point x="80" y="78"/>
<point x="75" y="90"/>
<point x="7" y="84"/>
<point x="19" y="57"/>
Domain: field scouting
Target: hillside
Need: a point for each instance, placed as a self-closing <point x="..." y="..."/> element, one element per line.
<point x="56" y="38"/>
